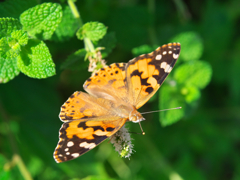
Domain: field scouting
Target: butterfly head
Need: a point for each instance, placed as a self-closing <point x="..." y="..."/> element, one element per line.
<point x="135" y="116"/>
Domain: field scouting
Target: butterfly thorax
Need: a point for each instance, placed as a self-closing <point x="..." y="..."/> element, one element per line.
<point x="135" y="116"/>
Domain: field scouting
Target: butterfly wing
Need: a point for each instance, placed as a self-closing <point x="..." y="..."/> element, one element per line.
<point x="146" y="73"/>
<point x="83" y="106"/>
<point x="77" y="137"/>
<point x="88" y="121"/>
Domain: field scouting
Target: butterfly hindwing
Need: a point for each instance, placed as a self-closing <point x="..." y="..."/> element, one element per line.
<point x="79" y="136"/>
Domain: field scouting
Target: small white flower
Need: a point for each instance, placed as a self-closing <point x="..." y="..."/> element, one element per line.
<point x="121" y="140"/>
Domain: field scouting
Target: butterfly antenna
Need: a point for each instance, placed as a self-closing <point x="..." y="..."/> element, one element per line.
<point x="143" y="133"/>
<point x="161" y="110"/>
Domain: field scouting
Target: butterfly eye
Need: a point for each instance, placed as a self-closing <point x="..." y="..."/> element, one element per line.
<point x="133" y="118"/>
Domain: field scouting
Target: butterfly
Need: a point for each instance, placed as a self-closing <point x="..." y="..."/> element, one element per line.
<point x="114" y="93"/>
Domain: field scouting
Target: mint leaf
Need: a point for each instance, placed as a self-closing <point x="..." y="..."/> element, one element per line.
<point x="170" y="98"/>
<point x="197" y="73"/>
<point x="191" y="45"/>
<point x="76" y="60"/>
<point x="35" y="60"/>
<point x="8" y="69"/>
<point x="68" y="26"/>
<point x="92" y="30"/>
<point x="20" y="36"/>
<point x="42" y="20"/>
<point x="13" y="8"/>
<point x="8" y="25"/>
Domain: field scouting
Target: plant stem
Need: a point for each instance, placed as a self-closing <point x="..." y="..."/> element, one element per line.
<point x="75" y="12"/>
<point x="88" y="43"/>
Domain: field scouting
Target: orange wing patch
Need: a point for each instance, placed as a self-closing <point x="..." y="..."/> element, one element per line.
<point x="108" y="82"/>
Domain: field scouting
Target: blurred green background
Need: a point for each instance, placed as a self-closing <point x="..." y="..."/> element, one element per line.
<point x="204" y="144"/>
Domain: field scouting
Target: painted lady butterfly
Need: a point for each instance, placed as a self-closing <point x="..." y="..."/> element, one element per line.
<point x="114" y="95"/>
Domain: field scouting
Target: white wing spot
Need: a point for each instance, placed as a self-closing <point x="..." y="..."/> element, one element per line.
<point x="158" y="57"/>
<point x="67" y="153"/>
<point x="70" y="144"/>
<point x="60" y="155"/>
<point x="163" y="65"/>
<point x="169" y="52"/>
<point x="87" y="145"/>
<point x="164" y="52"/>
<point x="66" y="149"/>
<point x="168" y="69"/>
<point x="75" y="155"/>
<point x="175" y="56"/>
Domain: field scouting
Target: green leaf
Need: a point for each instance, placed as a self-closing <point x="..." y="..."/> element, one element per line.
<point x="8" y="25"/>
<point x="108" y="42"/>
<point x="191" y="93"/>
<point x="42" y="20"/>
<point x="76" y="60"/>
<point x="92" y="30"/>
<point x="68" y="26"/>
<point x="170" y="98"/>
<point x="197" y="73"/>
<point x="144" y="49"/>
<point x="20" y="36"/>
<point x="191" y="45"/>
<point x="8" y="69"/>
<point x="13" y="8"/>
<point x="35" y="60"/>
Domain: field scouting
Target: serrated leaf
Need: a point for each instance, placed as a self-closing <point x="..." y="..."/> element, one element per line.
<point x="42" y="20"/>
<point x="75" y="60"/>
<point x="92" y="30"/>
<point x="20" y="36"/>
<point x="191" y="45"/>
<point x="35" y="60"/>
<point x="197" y="73"/>
<point x="68" y="26"/>
<point x="8" y="25"/>
<point x="8" y="69"/>
<point x="108" y="42"/>
<point x="170" y="98"/>
<point x="13" y="8"/>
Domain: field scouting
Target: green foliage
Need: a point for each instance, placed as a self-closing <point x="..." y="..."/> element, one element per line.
<point x="188" y="78"/>
<point x="68" y="26"/>
<point x="35" y="60"/>
<point x="192" y="46"/>
<point x="73" y="60"/>
<point x="13" y="8"/>
<point x="92" y="30"/>
<point x="42" y="20"/>
<point x="194" y="73"/>
<point x="108" y="42"/>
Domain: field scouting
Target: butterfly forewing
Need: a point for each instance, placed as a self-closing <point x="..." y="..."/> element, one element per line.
<point x="146" y="73"/>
